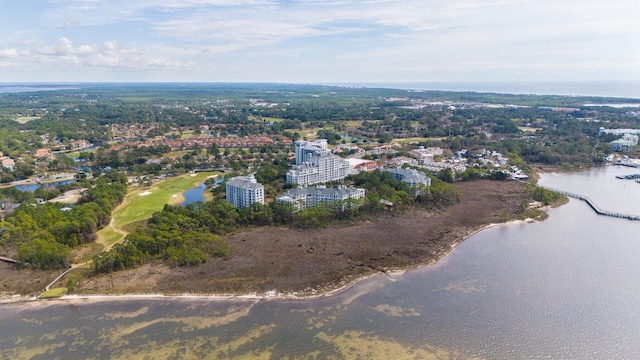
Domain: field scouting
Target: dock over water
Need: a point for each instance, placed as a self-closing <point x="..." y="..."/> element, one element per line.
<point x="9" y="260"/>
<point x="595" y="207"/>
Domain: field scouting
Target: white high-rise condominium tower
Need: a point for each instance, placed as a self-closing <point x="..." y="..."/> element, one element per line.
<point x="244" y="191"/>
<point x="305" y="148"/>
<point x="315" y="164"/>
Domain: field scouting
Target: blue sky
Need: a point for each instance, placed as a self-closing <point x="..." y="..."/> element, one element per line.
<point x="319" y="41"/>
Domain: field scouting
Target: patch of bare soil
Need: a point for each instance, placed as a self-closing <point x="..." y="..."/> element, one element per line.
<point x="70" y="197"/>
<point x="294" y="260"/>
<point x="23" y="281"/>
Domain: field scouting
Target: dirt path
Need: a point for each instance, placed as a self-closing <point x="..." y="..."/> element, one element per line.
<point x="122" y="233"/>
<point x="102" y="239"/>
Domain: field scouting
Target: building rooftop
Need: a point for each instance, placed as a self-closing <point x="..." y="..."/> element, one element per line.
<point x="409" y="175"/>
<point x="342" y="190"/>
<point x="247" y="182"/>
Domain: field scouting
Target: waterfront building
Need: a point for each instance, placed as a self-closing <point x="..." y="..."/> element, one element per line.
<point x="416" y="179"/>
<point x="602" y="130"/>
<point x="625" y="144"/>
<point x="315" y="164"/>
<point x="244" y="191"/>
<point x="306" y="197"/>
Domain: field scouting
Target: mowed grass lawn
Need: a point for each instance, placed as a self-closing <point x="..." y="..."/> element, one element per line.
<point x="54" y="293"/>
<point x="26" y="119"/>
<point x="142" y="202"/>
<point x="411" y="140"/>
<point x="265" y="118"/>
<point x="107" y="236"/>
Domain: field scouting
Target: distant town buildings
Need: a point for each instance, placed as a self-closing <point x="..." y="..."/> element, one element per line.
<point x="244" y="191"/>
<point x="7" y="162"/>
<point x="315" y="164"/>
<point x="79" y="144"/>
<point x="427" y="154"/>
<point x="359" y="165"/>
<point x="306" y="197"/>
<point x="44" y="153"/>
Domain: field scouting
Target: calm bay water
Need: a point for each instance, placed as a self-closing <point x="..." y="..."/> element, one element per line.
<point x="618" y="89"/>
<point x="566" y="287"/>
<point x="15" y="88"/>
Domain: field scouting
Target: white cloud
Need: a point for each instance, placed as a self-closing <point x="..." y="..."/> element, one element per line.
<point x="32" y="42"/>
<point x="9" y="53"/>
<point x="339" y="39"/>
<point x="70" y="24"/>
<point x="181" y="4"/>
<point x="108" y="55"/>
<point x="232" y="34"/>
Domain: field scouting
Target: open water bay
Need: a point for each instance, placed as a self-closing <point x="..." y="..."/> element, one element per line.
<point x="566" y="287"/>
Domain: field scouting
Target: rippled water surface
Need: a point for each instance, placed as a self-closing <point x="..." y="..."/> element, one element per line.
<point x="567" y="287"/>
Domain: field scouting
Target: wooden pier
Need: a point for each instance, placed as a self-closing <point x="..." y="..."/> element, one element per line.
<point x="9" y="260"/>
<point x="57" y="279"/>
<point x="595" y="207"/>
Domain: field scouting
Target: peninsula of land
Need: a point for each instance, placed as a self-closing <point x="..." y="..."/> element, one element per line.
<point x="271" y="188"/>
<point x="307" y="262"/>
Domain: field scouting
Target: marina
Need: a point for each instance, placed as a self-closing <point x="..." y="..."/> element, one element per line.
<point x="628" y="177"/>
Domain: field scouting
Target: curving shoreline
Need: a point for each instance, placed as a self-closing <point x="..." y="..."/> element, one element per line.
<point x="277" y="263"/>
<point x="255" y="296"/>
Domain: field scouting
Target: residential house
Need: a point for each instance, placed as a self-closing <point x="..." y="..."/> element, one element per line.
<point x="7" y="163"/>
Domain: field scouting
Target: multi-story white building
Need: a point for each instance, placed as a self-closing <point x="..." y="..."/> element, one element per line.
<point x="625" y="144"/>
<point x="244" y="191"/>
<point x="302" y="198"/>
<point x="315" y="164"/>
<point x="305" y="148"/>
<point x="414" y="178"/>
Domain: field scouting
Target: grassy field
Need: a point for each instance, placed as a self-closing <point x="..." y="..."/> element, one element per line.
<point x="107" y="236"/>
<point x="309" y="134"/>
<point x="411" y="140"/>
<point x="188" y="134"/>
<point x="265" y="118"/>
<point x="528" y="129"/>
<point x="175" y="154"/>
<point x="25" y="119"/>
<point x="142" y="202"/>
<point x="94" y="249"/>
<point x="54" y="293"/>
<point x="356" y="123"/>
